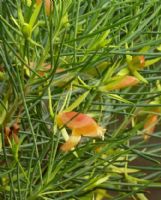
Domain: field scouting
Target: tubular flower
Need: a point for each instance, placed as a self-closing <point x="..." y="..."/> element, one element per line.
<point x="121" y="82"/>
<point x="81" y="125"/>
<point x="149" y="126"/>
<point x="150" y="123"/>
<point x="48" y="4"/>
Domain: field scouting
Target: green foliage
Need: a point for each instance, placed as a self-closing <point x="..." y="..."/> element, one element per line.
<point x="58" y="62"/>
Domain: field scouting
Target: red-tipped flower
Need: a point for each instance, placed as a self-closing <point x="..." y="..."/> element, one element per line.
<point x="81" y="125"/>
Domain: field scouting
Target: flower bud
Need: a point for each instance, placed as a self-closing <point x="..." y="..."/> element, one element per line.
<point x="26" y="30"/>
<point x="48" y="6"/>
<point x="137" y="62"/>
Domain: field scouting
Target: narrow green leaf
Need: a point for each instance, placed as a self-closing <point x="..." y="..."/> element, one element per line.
<point x="77" y="102"/>
<point x="118" y="98"/>
<point x="35" y="15"/>
<point x="151" y="62"/>
<point x="139" y="76"/>
<point x="3" y="110"/>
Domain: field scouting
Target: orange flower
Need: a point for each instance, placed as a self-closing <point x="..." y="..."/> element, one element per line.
<point x="81" y="125"/>
<point x="121" y="82"/>
<point x="151" y="122"/>
<point x="48" y="4"/>
<point x="149" y="126"/>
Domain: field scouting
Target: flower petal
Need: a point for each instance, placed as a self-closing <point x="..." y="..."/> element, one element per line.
<point x="70" y="143"/>
<point x="75" y="120"/>
<point x="90" y="131"/>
